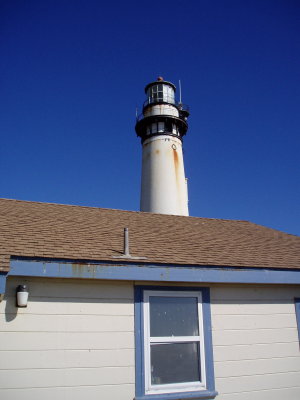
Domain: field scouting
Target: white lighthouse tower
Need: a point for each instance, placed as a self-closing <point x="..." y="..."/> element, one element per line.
<point x="161" y="127"/>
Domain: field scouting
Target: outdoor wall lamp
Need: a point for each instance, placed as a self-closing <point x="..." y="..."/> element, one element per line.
<point x="22" y="296"/>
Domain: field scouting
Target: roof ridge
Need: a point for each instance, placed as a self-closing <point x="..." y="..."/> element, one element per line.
<point x="125" y="211"/>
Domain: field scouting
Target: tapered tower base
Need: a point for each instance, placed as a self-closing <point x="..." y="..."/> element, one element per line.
<point x="164" y="188"/>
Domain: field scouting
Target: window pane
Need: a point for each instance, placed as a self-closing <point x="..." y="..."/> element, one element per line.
<point x="154" y="127"/>
<point x="173" y="316"/>
<point x="175" y="363"/>
<point x="161" y="127"/>
<point x="166" y="92"/>
<point x="168" y="126"/>
<point x="169" y="94"/>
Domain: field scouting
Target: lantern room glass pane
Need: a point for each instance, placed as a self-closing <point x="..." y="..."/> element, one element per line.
<point x="161" y="127"/>
<point x="161" y="92"/>
<point x="169" y="95"/>
<point x="154" y="127"/>
<point x="173" y="316"/>
<point x="175" y="363"/>
<point x="157" y="92"/>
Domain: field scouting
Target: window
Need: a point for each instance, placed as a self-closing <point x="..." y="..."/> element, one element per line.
<point x="173" y="343"/>
<point x="154" y="127"/>
<point x="161" y="92"/>
<point x="174" y="129"/>
<point x="157" y="92"/>
<point x="162" y="127"/>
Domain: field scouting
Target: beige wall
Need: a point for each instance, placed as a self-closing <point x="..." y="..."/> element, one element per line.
<point x="75" y="340"/>
<point x="256" y="347"/>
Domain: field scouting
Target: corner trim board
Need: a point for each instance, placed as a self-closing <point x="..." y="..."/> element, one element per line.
<point x="297" y="307"/>
<point x="3" y="277"/>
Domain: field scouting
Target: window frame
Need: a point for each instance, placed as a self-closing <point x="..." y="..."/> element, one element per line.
<point x="188" y="390"/>
<point x="167" y="128"/>
<point x="161" y="92"/>
<point x="157" y="92"/>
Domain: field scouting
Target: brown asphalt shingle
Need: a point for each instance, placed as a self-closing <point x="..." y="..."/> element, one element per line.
<point x="31" y="229"/>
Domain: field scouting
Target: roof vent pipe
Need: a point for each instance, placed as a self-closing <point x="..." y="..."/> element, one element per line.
<point x="126" y="253"/>
<point x="126" y="243"/>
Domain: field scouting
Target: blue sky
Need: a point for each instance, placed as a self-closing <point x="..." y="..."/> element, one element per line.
<point x="73" y="72"/>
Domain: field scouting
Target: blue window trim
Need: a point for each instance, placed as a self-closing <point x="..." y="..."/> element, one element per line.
<point x="139" y="346"/>
<point x="297" y="307"/>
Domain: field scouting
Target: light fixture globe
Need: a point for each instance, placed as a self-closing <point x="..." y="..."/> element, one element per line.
<point x="22" y="296"/>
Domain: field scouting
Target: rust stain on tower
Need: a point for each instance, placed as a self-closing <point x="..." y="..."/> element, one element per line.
<point x="176" y="163"/>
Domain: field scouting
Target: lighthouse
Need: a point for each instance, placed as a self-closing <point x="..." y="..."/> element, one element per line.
<point x="161" y="127"/>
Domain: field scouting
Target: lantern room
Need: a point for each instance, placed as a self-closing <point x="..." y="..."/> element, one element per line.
<point x="160" y="91"/>
<point x="162" y="114"/>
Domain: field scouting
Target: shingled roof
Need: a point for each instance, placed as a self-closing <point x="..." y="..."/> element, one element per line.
<point x="31" y="229"/>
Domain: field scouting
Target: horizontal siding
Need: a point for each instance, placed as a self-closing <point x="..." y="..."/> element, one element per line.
<point x="255" y="351"/>
<point x="233" y="337"/>
<point x="70" y="289"/>
<point x="75" y="339"/>
<point x="64" y="340"/>
<point x="259" y="382"/>
<point x="28" y="378"/>
<point x="255" y="338"/>
<point x="260" y="366"/>
<point x="72" y="306"/>
<point x="249" y="307"/>
<point x="67" y="323"/>
<point x="103" y="392"/>
<point x="87" y="358"/>
<point x="242" y="322"/>
<point x="238" y="294"/>
<point x="291" y="393"/>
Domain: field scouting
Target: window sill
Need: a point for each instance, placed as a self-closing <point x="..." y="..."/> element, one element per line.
<point x="205" y="394"/>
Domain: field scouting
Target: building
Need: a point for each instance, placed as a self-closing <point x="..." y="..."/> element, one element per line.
<point x="161" y="128"/>
<point x="137" y="305"/>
